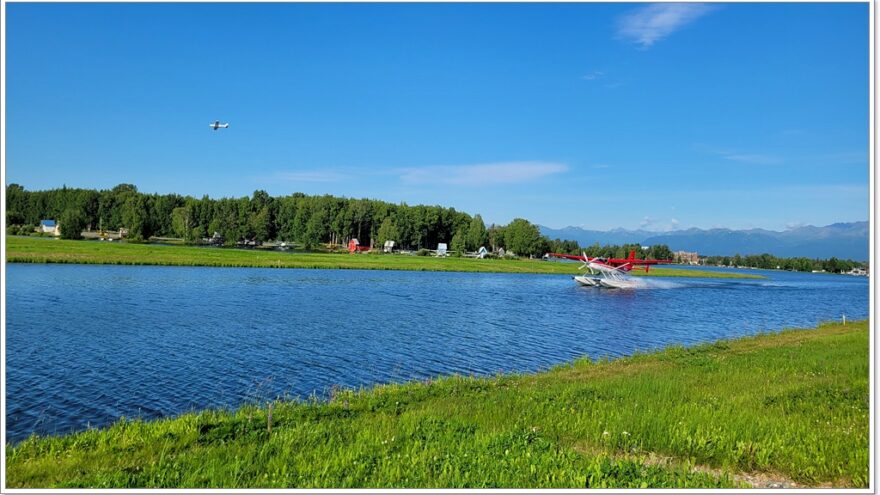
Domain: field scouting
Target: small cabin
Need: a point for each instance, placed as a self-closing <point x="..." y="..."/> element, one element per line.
<point x="353" y="245"/>
<point x="49" y="227"/>
<point x="441" y="249"/>
<point x="482" y="252"/>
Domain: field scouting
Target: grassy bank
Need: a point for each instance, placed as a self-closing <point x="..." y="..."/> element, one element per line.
<point x="38" y="250"/>
<point x="787" y="409"/>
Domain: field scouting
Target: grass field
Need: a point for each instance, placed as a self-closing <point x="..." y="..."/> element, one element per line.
<point x="41" y="250"/>
<point x="785" y="409"/>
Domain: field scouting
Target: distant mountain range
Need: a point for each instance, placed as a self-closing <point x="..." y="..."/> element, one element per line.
<point x="841" y="240"/>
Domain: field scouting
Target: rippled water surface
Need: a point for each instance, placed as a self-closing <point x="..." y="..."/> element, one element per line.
<point x="87" y="344"/>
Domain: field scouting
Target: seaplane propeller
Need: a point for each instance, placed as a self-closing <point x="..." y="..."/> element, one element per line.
<point x="586" y="264"/>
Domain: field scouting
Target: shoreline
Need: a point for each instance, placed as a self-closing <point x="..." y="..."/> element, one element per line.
<point x="789" y="406"/>
<point x="41" y="250"/>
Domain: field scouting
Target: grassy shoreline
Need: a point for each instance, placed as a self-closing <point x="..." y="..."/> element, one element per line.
<point x="36" y="250"/>
<point x="789" y="408"/>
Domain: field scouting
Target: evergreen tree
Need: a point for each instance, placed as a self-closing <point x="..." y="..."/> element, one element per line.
<point x="71" y="223"/>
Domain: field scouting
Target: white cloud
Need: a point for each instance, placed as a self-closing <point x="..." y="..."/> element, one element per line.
<point x="647" y="25"/>
<point x="649" y="223"/>
<point x="482" y="174"/>
<point x="592" y="76"/>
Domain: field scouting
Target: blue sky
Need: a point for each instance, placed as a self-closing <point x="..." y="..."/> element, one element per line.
<point x="657" y="116"/>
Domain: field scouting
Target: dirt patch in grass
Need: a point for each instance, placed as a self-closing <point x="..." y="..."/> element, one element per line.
<point x="747" y="480"/>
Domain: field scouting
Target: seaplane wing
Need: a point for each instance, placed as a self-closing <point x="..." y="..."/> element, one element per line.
<point x="626" y="264"/>
<point x="573" y="257"/>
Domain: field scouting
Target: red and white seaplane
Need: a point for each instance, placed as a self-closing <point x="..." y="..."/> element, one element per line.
<point x="609" y="272"/>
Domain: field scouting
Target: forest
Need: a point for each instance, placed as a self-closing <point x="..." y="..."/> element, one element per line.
<point x="311" y="221"/>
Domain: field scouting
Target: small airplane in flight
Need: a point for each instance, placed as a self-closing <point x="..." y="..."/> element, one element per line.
<point x="217" y="125"/>
<point x="610" y="269"/>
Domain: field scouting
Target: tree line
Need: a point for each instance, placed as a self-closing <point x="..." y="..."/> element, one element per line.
<point x="308" y="220"/>
<point x="769" y="262"/>
<point x="313" y="221"/>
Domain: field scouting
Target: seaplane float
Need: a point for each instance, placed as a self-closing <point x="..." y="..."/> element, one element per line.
<point x="609" y="272"/>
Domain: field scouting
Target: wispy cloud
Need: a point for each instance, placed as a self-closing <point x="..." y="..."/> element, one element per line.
<point x="843" y="157"/>
<point x="601" y="77"/>
<point x="741" y="157"/>
<point x="647" y="25"/>
<point x="592" y="76"/>
<point x="753" y="158"/>
<point x="481" y="174"/>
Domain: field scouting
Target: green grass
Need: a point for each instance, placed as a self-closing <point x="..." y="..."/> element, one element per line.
<point x="791" y="406"/>
<point x="36" y="250"/>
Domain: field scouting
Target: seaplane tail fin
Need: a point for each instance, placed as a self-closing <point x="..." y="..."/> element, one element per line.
<point x="632" y="255"/>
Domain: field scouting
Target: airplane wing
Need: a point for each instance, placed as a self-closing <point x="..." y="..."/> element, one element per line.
<point x="572" y="257"/>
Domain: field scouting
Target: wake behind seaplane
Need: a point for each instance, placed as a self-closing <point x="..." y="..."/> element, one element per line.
<point x="609" y="272"/>
<point x="217" y="125"/>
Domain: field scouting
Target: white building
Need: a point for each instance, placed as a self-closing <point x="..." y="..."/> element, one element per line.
<point x="687" y="257"/>
<point x="49" y="227"/>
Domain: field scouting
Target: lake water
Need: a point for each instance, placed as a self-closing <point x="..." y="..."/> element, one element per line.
<point x="86" y="344"/>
